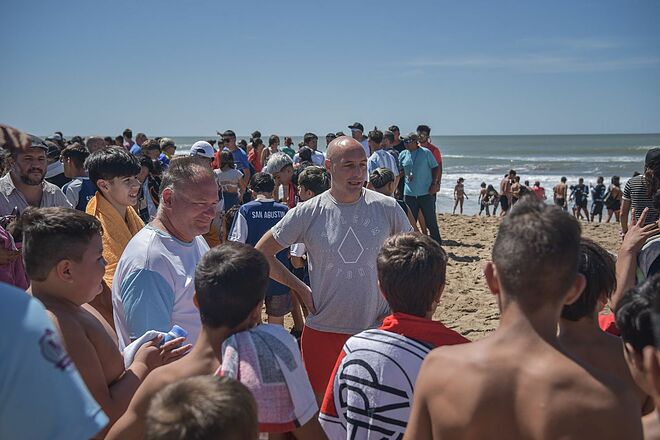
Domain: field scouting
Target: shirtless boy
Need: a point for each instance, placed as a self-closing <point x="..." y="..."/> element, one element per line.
<point x="505" y="192"/>
<point x="518" y="382"/>
<point x="560" y="194"/>
<point x="63" y="255"/>
<point x="579" y="332"/>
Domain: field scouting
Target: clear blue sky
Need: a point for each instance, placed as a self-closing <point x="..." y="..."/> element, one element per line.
<point x="189" y="67"/>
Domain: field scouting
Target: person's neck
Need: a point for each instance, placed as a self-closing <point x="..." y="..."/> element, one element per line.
<point x="344" y="196"/>
<point x="163" y="222"/>
<point x="232" y="147"/>
<point x="30" y="191"/>
<point x="413" y="147"/>
<point x="121" y="209"/>
<point x="375" y="148"/>
<point x="80" y="173"/>
<point x="519" y="323"/>
<point x="584" y="329"/>
<point x="209" y="344"/>
<point x="49" y="293"/>
<point x="262" y="196"/>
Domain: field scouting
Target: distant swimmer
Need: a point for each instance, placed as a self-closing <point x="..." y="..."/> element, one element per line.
<point x="559" y="195"/>
<point x="459" y="194"/>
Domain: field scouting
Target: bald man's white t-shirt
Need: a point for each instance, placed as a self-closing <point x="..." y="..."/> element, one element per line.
<point x="342" y="241"/>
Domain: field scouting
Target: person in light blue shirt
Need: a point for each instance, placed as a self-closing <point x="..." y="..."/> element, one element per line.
<point x="41" y="393"/>
<point x="422" y="182"/>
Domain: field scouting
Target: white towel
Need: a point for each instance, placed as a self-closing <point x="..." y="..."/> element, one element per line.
<point x="132" y="348"/>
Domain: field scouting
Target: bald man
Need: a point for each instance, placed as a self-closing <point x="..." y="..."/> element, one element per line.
<point x="343" y="230"/>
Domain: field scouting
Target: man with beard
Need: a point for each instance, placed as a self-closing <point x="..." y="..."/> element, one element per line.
<point x="24" y="185"/>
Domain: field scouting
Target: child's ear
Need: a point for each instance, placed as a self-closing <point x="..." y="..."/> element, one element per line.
<point x="576" y="289"/>
<point x="63" y="270"/>
<point x="492" y="280"/>
<point x="195" y="301"/>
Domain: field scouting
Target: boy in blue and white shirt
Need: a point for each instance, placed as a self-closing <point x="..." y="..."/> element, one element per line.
<point x="380" y="158"/>
<point x="252" y="221"/>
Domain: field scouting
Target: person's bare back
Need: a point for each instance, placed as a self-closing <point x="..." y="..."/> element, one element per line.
<point x="511" y="386"/>
<point x="604" y="352"/>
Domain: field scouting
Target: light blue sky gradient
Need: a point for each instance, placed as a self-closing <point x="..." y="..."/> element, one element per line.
<point x="464" y="67"/>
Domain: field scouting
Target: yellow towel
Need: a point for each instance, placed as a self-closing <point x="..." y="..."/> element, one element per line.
<point x="117" y="232"/>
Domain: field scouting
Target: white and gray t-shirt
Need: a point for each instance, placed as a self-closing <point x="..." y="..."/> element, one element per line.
<point x="342" y="243"/>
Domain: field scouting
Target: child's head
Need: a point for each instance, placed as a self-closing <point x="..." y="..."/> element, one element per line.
<point x="535" y="255"/>
<point x="262" y="183"/>
<point x="226" y="159"/>
<point x="460" y="180"/>
<point x="151" y="149"/>
<point x="483" y="184"/>
<point x="635" y="316"/>
<point x="63" y="247"/>
<point x="382" y="180"/>
<point x="411" y="273"/>
<point x="305" y="154"/>
<point x="113" y="171"/>
<point x="73" y="159"/>
<point x="313" y="181"/>
<point x="597" y="266"/>
<point x="230" y="285"/>
<point x="202" y="408"/>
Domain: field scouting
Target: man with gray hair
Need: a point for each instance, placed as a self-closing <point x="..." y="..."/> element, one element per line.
<point x="153" y="286"/>
<point x="342" y="230"/>
<point x="280" y="166"/>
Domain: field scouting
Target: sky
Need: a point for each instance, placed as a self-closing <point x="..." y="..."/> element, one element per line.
<point x="191" y="67"/>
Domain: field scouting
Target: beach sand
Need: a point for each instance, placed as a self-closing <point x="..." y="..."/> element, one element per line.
<point x="467" y="305"/>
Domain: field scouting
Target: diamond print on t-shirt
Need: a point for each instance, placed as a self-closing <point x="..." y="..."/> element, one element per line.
<point x="350" y="248"/>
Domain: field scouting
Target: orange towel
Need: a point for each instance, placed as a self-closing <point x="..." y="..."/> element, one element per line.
<point x="117" y="232"/>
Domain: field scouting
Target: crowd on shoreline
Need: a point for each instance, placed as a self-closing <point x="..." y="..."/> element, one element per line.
<point x="147" y="273"/>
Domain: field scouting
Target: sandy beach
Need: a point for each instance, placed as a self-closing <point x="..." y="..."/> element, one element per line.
<point x="467" y="305"/>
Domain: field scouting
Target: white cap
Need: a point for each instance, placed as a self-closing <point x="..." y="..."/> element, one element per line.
<point x="202" y="148"/>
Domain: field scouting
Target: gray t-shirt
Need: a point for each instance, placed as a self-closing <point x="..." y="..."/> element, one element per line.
<point x="342" y="242"/>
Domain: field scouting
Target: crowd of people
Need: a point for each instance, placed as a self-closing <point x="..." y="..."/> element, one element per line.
<point x="135" y="283"/>
<point x="563" y="195"/>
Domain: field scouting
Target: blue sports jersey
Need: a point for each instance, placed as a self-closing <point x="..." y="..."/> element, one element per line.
<point x="251" y="222"/>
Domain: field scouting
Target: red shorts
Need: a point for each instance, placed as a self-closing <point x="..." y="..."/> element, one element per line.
<point x="320" y="351"/>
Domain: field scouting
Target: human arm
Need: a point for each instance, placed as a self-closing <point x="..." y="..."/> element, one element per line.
<point x="435" y="182"/>
<point x="625" y="213"/>
<point x="92" y="364"/>
<point x="626" y="263"/>
<point x="131" y="425"/>
<point x="278" y="272"/>
<point x="411" y="219"/>
<point x="148" y="300"/>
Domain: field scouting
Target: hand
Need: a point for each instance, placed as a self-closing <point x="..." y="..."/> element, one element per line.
<point x="8" y="256"/>
<point x="174" y="350"/>
<point x="149" y="353"/>
<point x="307" y="299"/>
<point x="637" y="233"/>
<point x="434" y="188"/>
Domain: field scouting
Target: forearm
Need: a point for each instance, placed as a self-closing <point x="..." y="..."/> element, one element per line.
<point x="122" y="390"/>
<point x="626" y="264"/>
<point x="297" y="262"/>
<point x="282" y="275"/>
<point x="625" y="212"/>
<point x="436" y="174"/>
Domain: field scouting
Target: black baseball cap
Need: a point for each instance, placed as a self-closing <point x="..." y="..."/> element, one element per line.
<point x="357" y="126"/>
<point x="394" y="128"/>
<point x="229" y="134"/>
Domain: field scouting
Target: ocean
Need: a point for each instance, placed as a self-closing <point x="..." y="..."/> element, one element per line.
<point x="545" y="158"/>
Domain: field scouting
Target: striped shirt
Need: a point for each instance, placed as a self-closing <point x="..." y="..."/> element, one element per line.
<point x="636" y="191"/>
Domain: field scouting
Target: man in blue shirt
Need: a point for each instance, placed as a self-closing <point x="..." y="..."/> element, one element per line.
<point x="422" y="182"/>
<point x="240" y="157"/>
<point x="252" y="221"/>
<point x="41" y="392"/>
